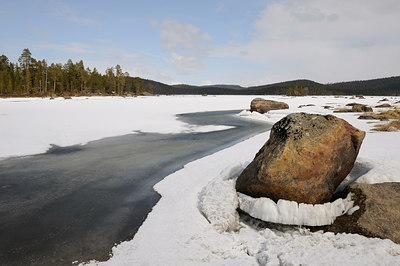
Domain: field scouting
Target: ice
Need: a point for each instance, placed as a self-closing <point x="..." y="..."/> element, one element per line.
<point x="290" y="212"/>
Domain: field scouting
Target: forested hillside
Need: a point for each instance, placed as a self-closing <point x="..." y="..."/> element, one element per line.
<point x="32" y="77"/>
<point x="383" y="86"/>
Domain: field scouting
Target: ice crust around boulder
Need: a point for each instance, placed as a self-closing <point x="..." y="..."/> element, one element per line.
<point x="218" y="203"/>
<point x="290" y="212"/>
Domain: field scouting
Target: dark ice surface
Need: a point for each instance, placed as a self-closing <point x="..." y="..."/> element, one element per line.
<point x="75" y="203"/>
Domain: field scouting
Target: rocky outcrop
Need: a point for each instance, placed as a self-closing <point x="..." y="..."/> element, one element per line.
<point x="379" y="213"/>
<point x="262" y="106"/>
<point x="355" y="108"/>
<point x="361" y="108"/>
<point x="306" y="157"/>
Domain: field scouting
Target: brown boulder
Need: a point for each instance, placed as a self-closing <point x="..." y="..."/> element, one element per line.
<point x="385" y="105"/>
<point x="379" y="213"/>
<point x="361" y="108"/>
<point x="306" y="157"/>
<point x="262" y="106"/>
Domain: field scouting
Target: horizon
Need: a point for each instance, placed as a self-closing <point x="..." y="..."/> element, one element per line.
<point x="212" y="42"/>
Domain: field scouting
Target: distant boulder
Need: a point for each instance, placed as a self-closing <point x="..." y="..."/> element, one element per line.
<point x="361" y="108"/>
<point x="355" y="108"/>
<point x="306" y="157"/>
<point x="379" y="213"/>
<point x="305" y="105"/>
<point x="366" y="117"/>
<point x="262" y="106"/>
<point x="352" y="104"/>
<point x="385" y="105"/>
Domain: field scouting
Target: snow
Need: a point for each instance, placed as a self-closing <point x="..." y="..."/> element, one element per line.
<point x="31" y="125"/>
<point x="218" y="203"/>
<point x="176" y="231"/>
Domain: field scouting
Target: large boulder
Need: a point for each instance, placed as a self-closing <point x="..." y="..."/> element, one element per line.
<point x="306" y="157"/>
<point x="262" y="106"/>
<point x="379" y="213"/>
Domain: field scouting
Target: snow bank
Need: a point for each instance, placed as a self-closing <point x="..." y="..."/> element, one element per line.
<point x="218" y="203"/>
<point x="301" y="247"/>
<point x="290" y="212"/>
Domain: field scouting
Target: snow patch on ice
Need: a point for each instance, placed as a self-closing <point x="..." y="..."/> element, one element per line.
<point x="291" y="212"/>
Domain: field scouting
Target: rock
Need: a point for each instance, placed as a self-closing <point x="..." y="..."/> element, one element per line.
<point x="146" y="93"/>
<point x="306" y="105"/>
<point x="306" y="157"/>
<point x="379" y="213"/>
<point x="360" y="96"/>
<point x="262" y="106"/>
<point x="361" y="108"/>
<point x="385" y="105"/>
<point x="352" y="104"/>
<point x="366" y="117"/>
<point x="384" y="100"/>
<point x="327" y="107"/>
<point x="67" y="97"/>
<point x="358" y="107"/>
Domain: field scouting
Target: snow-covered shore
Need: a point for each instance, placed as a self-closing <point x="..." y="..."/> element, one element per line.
<point x="176" y="232"/>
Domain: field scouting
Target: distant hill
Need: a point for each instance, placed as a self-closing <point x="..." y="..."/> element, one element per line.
<point x="384" y="86"/>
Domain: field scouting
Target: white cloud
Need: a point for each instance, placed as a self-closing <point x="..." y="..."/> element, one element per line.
<point x="324" y="40"/>
<point x="186" y="44"/>
<point x="71" y="47"/>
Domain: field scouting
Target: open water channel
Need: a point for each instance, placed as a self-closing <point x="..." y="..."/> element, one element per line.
<point x="75" y="203"/>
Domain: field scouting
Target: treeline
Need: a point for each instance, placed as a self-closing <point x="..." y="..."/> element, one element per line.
<point x="383" y="86"/>
<point x="32" y="77"/>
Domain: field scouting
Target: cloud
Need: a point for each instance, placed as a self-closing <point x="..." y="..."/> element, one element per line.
<point x="71" y="47"/>
<point x="186" y="64"/>
<point x="324" y="40"/>
<point x="64" y="11"/>
<point x="220" y="7"/>
<point x="186" y="44"/>
<point x="39" y="32"/>
<point x="83" y="21"/>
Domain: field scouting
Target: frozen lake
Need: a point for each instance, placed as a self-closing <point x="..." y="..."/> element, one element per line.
<point x="77" y="202"/>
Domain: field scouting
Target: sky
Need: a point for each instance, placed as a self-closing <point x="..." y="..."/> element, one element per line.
<point x="247" y="43"/>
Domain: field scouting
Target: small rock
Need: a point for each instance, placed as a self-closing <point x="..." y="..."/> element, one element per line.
<point x="384" y="100"/>
<point x="360" y="97"/>
<point x="361" y="108"/>
<point x="366" y="117"/>
<point x="306" y="157"/>
<point x="352" y="104"/>
<point x="306" y="105"/>
<point x="262" y="106"/>
<point x="385" y="105"/>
